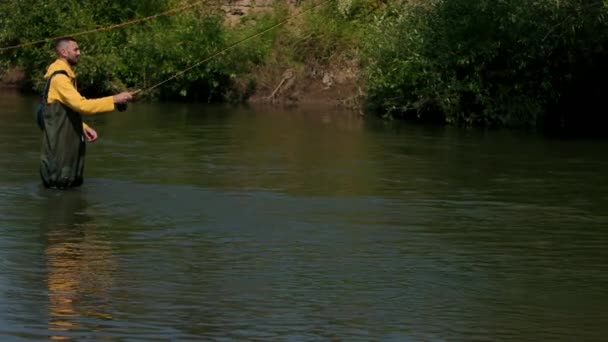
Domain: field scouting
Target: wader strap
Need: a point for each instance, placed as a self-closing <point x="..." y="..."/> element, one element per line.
<point x="45" y="95"/>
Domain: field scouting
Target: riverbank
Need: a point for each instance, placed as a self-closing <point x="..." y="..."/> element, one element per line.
<point x="11" y="79"/>
<point x="500" y="64"/>
<point x="287" y="82"/>
<point x="309" y="84"/>
<point x="306" y="61"/>
<point x="328" y="88"/>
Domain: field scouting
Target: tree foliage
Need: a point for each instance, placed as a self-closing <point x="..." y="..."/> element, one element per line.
<point x="490" y="62"/>
<point x="134" y="56"/>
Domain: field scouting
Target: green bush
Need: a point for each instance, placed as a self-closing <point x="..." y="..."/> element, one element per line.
<point x="507" y="63"/>
<point x="324" y="34"/>
<point x="400" y="81"/>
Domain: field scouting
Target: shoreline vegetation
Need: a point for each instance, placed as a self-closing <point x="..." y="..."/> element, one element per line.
<point x="512" y="63"/>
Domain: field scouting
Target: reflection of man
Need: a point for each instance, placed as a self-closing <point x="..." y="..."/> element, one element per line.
<point x="79" y="264"/>
<point x="63" y="144"/>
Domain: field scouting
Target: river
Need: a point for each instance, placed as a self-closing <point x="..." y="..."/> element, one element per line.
<point x="219" y="223"/>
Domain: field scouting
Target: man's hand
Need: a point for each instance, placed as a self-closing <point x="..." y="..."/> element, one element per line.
<point x="90" y="134"/>
<point x="123" y="97"/>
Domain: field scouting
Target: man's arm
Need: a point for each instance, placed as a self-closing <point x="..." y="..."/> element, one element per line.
<point x="69" y="96"/>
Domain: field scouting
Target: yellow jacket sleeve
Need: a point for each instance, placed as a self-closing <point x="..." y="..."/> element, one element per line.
<point x="66" y="93"/>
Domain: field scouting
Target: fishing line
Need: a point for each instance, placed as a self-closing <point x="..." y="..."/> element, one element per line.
<point x="106" y="28"/>
<point x="176" y="75"/>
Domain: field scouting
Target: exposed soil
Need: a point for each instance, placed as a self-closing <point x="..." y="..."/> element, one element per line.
<point x="308" y="85"/>
<point x="11" y="78"/>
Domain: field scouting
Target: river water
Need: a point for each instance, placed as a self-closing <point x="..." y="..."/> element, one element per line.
<point x="228" y="224"/>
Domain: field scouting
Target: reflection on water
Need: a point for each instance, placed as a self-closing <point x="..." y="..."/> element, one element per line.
<point x="217" y="223"/>
<point x="80" y="265"/>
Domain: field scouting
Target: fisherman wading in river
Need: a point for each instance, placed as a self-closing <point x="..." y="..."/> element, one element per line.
<point x="63" y="132"/>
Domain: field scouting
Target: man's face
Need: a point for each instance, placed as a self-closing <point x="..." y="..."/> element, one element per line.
<point x="71" y="52"/>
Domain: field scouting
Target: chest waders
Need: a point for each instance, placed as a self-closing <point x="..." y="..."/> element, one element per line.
<point x="63" y="144"/>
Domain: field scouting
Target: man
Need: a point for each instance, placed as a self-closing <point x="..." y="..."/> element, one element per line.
<point x="63" y="141"/>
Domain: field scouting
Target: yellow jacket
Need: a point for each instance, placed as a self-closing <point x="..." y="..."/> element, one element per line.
<point x="63" y="90"/>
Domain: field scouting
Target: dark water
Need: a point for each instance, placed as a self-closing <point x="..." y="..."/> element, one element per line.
<point x="201" y="223"/>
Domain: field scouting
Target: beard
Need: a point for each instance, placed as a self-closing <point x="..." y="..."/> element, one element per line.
<point x="73" y="60"/>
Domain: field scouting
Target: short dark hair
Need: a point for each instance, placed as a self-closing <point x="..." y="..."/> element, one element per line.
<point x="62" y="40"/>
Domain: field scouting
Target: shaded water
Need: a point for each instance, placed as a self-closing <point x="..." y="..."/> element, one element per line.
<point x="205" y="223"/>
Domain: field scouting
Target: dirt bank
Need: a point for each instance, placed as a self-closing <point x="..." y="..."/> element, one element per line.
<point x="307" y="84"/>
<point x="10" y="79"/>
<point x="280" y="81"/>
